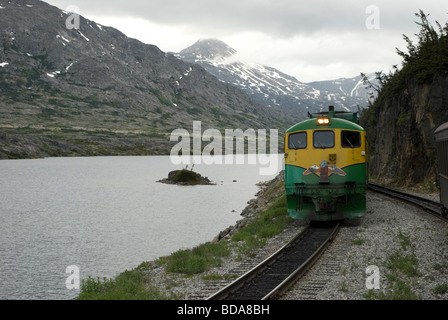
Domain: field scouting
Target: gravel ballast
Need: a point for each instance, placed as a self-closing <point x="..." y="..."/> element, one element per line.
<point x="391" y="230"/>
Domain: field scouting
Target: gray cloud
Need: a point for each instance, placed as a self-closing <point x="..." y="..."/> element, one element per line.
<point x="281" y="18"/>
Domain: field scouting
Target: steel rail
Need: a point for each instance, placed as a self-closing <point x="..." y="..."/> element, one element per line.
<point x="238" y="283"/>
<point x="278" y="291"/>
<point x="285" y="282"/>
<point x="431" y="206"/>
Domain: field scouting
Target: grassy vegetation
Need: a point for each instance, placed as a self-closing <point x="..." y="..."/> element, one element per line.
<point x="198" y="259"/>
<point x="129" y="285"/>
<point x="136" y="284"/>
<point x="267" y="225"/>
<point x="161" y="98"/>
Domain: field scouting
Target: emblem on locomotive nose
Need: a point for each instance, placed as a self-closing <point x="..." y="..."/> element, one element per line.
<point x="324" y="170"/>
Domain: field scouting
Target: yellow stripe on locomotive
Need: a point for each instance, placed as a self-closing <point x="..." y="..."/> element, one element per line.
<point x="325" y="167"/>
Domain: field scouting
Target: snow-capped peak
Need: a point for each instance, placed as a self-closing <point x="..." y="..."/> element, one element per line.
<point x="209" y="49"/>
<point x="269" y="85"/>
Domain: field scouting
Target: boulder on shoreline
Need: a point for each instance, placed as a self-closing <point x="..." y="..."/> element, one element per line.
<point x="186" y="177"/>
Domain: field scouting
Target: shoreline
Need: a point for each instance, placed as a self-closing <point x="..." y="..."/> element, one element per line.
<point x="263" y="198"/>
<point x="161" y="279"/>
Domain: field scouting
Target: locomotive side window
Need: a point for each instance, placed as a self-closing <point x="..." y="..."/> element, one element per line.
<point x="350" y="139"/>
<point x="323" y="139"/>
<point x="297" y="141"/>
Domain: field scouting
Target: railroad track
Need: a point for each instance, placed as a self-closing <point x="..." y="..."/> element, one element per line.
<point x="272" y="277"/>
<point x="432" y="207"/>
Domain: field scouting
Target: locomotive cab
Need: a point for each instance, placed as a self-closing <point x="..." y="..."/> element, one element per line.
<point x="325" y="167"/>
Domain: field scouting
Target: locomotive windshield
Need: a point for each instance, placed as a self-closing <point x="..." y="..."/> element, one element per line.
<point x="323" y="139"/>
<point x="350" y="139"/>
<point x="297" y="141"/>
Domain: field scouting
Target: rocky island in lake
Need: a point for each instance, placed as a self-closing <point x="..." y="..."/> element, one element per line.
<point x="186" y="177"/>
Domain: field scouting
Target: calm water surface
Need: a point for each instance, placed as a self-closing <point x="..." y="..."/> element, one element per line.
<point x="105" y="215"/>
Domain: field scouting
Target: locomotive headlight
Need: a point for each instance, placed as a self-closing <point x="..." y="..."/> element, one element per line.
<point x="323" y="121"/>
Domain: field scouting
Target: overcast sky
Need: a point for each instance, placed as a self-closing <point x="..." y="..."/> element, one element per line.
<point x="311" y="40"/>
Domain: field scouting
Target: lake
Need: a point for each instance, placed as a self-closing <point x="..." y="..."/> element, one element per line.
<point x="105" y="215"/>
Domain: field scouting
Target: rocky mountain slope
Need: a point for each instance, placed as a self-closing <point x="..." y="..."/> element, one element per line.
<point x="349" y="91"/>
<point x="94" y="91"/>
<point x="401" y="139"/>
<point x="272" y="87"/>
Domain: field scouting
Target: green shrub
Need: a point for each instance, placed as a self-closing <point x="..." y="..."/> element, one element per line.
<point x="186" y="176"/>
<point x="129" y="285"/>
<point x="197" y="260"/>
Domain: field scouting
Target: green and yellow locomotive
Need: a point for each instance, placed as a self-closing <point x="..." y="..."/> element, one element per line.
<point x="325" y="167"/>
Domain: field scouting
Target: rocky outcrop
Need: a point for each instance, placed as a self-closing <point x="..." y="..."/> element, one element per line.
<point x="401" y="132"/>
<point x="186" y="178"/>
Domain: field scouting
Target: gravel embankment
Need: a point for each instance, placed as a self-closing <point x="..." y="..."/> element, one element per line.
<point x="409" y="247"/>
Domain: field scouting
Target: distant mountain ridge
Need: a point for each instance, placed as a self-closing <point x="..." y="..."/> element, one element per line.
<point x="272" y="87"/>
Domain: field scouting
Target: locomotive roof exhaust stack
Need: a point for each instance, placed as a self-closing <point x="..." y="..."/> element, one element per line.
<point x="331" y="112"/>
<point x="349" y="116"/>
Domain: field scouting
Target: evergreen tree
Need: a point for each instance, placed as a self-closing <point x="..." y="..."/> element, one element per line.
<point x="421" y="62"/>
